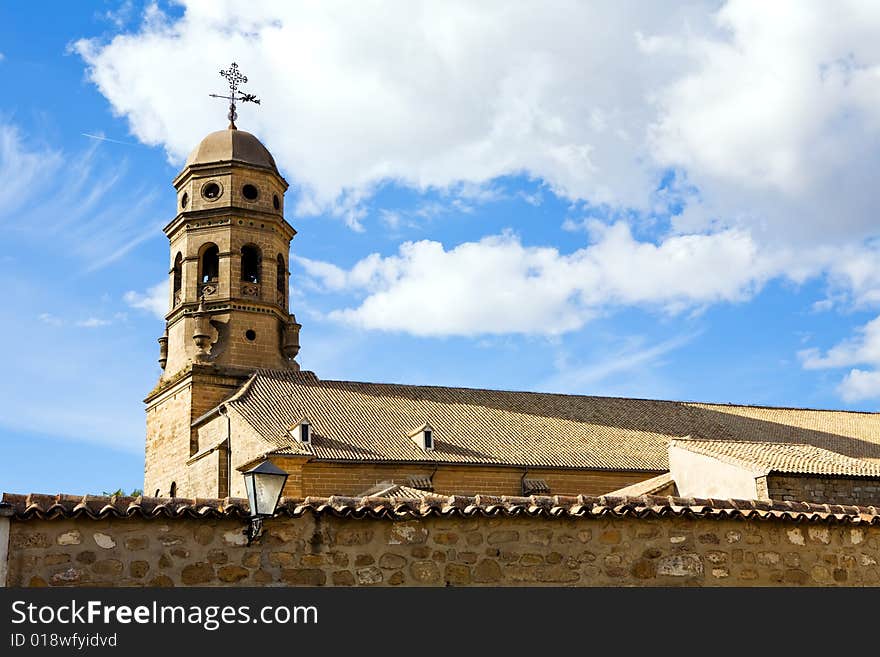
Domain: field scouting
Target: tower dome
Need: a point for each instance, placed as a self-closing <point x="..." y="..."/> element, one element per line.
<point x="232" y="145"/>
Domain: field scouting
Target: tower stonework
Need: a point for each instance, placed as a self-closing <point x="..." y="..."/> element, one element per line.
<point x="228" y="300"/>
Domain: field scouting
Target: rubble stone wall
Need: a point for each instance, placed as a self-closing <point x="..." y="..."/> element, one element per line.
<point x="325" y="550"/>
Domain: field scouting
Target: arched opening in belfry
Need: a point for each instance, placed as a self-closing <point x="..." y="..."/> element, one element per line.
<point x="250" y="263"/>
<point x="280" y="275"/>
<point x="210" y="264"/>
<point x="177" y="278"/>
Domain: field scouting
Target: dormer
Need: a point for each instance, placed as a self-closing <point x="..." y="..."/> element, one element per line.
<point x="301" y="431"/>
<point x="423" y="436"/>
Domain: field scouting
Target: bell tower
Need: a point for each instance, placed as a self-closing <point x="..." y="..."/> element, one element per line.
<point x="228" y="301"/>
<point x="230" y="249"/>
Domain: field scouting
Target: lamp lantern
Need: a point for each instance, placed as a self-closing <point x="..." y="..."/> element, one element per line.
<point x="264" y="484"/>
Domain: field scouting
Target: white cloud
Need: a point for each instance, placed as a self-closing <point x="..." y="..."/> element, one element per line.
<point x="633" y="359"/>
<point x="90" y="322"/>
<point x="121" y="14"/>
<point x="22" y="167"/>
<point x="498" y="285"/>
<point x="775" y="117"/>
<point x="428" y="94"/>
<point x="50" y="319"/>
<point x="72" y="194"/>
<point x="862" y="349"/>
<point x="93" y="322"/>
<point x="154" y="300"/>
<point x="859" y="385"/>
<point x="769" y="111"/>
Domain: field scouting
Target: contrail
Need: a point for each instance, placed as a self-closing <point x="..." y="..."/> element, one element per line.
<point x="115" y="141"/>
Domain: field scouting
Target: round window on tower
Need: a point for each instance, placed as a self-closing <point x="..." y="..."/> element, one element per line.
<point x="212" y="191"/>
<point x="275" y="202"/>
<point x="250" y="192"/>
<point x="251" y="335"/>
<point x="184" y="200"/>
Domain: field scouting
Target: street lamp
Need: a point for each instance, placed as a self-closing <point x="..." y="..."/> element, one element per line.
<point x="264" y="484"/>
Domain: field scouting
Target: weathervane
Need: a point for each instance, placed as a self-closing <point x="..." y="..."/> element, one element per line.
<point x="235" y="78"/>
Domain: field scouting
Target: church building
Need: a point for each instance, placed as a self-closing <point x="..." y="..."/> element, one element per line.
<point x="232" y="395"/>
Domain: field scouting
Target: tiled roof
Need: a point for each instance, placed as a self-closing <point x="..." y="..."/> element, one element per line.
<point x="370" y="421"/>
<point x="42" y="507"/>
<point x="653" y="486"/>
<point x="394" y="490"/>
<point x="783" y="458"/>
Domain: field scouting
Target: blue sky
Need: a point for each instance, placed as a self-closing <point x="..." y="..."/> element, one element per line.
<point x="674" y="202"/>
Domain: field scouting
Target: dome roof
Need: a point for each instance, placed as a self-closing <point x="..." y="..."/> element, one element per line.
<point x="232" y="145"/>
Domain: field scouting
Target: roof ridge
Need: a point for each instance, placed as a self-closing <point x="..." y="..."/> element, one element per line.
<point x="686" y="402"/>
<point x="242" y="391"/>
<point x="737" y="441"/>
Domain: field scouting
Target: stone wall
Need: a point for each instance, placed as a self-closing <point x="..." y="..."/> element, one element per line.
<point x="170" y="439"/>
<point x="825" y="490"/>
<point x="322" y="549"/>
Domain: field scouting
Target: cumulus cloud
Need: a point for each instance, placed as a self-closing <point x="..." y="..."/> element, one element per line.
<point x="777" y="119"/>
<point x="499" y="285"/>
<point x="426" y="94"/>
<point x="861" y="349"/>
<point x="154" y="300"/>
<point x="768" y="112"/>
<point x="859" y="385"/>
<point x="753" y="124"/>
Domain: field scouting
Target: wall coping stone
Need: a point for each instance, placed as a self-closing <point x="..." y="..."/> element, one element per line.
<point x="49" y="507"/>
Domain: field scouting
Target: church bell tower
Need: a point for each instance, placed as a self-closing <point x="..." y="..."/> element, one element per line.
<point x="228" y="301"/>
<point x="230" y="248"/>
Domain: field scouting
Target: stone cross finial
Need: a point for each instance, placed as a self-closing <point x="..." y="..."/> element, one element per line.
<point x="235" y="78"/>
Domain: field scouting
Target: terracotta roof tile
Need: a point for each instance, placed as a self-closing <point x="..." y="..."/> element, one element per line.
<point x="369" y="422"/>
<point x="40" y="507"/>
<point x="783" y="458"/>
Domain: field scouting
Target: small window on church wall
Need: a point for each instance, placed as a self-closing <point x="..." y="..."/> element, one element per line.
<point x="280" y="274"/>
<point x="275" y="202"/>
<point x="250" y="192"/>
<point x="211" y="191"/>
<point x="210" y="264"/>
<point x="177" y="277"/>
<point x="250" y="264"/>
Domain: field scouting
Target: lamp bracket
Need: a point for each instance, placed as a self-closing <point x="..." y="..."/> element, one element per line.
<point x="254" y="530"/>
